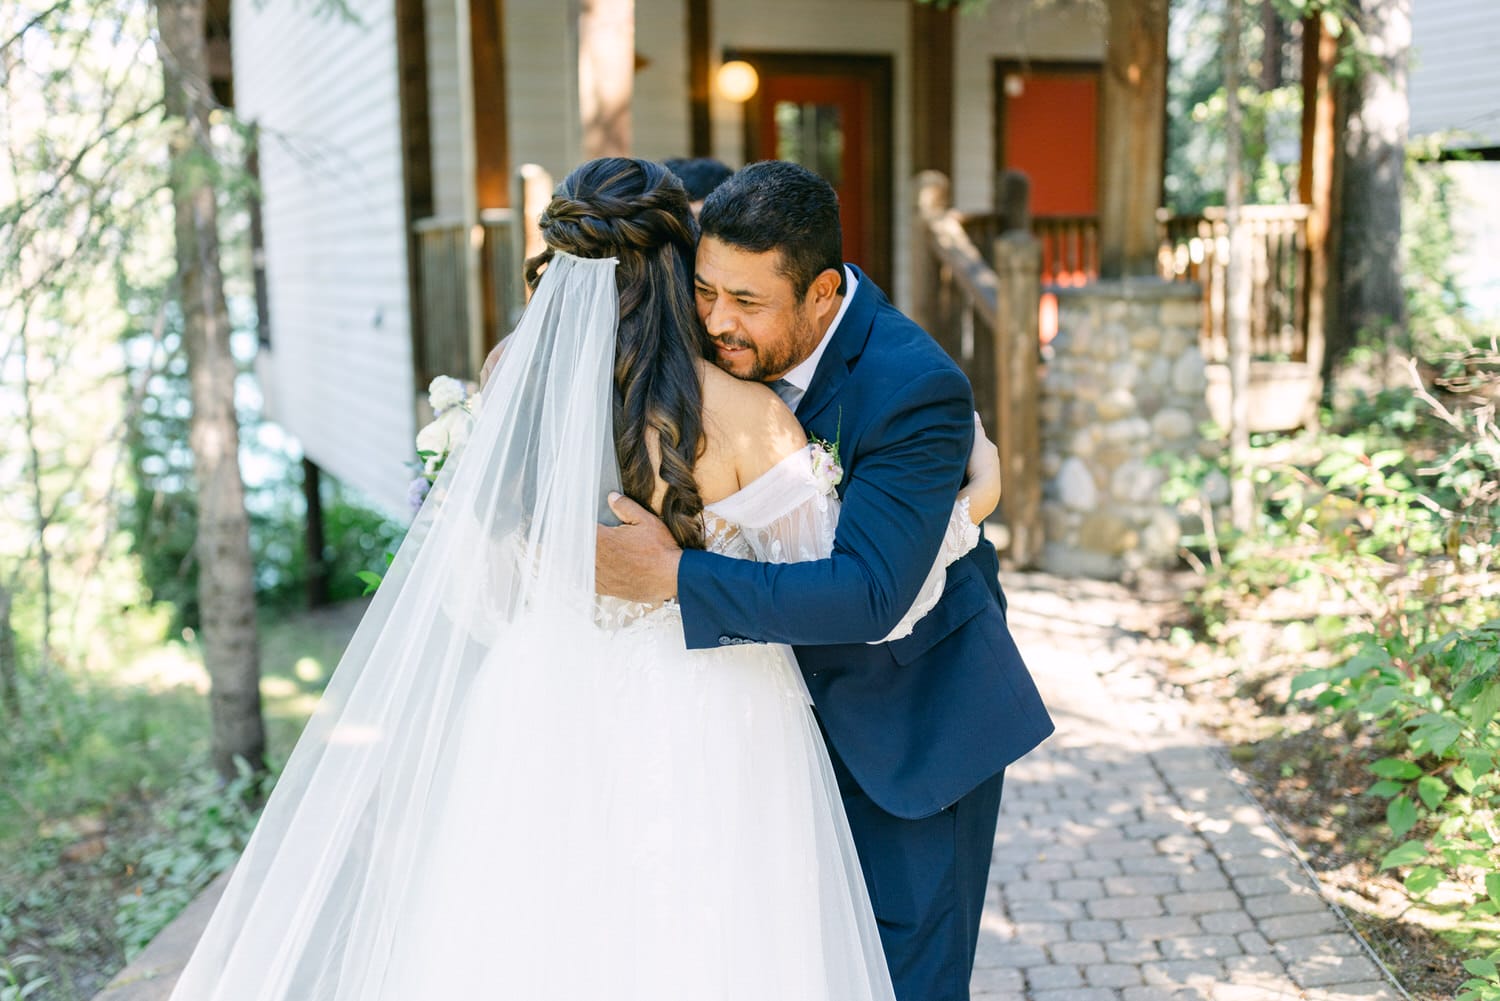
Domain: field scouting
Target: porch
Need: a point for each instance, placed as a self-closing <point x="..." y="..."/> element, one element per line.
<point x="1086" y="382"/>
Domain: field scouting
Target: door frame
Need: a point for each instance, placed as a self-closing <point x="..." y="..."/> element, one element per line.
<point x="876" y="70"/>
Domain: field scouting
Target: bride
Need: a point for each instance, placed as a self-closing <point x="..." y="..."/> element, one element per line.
<point x="514" y="789"/>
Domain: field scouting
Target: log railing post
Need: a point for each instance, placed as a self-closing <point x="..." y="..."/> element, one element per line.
<point x="932" y="203"/>
<point x="1018" y="261"/>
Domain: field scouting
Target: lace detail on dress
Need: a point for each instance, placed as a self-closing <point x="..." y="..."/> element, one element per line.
<point x="719" y="536"/>
<point x="962" y="535"/>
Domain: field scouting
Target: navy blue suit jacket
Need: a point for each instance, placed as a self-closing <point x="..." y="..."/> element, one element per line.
<point x="922" y="720"/>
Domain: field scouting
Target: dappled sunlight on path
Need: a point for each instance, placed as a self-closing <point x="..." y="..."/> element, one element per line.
<point x="1129" y="865"/>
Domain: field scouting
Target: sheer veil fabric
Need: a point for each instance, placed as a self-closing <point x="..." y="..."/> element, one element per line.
<point x="512" y="789"/>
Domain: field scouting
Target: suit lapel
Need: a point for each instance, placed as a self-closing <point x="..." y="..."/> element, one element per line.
<point x="847" y="345"/>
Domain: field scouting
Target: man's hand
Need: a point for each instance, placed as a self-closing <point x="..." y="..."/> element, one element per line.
<point x="638" y="560"/>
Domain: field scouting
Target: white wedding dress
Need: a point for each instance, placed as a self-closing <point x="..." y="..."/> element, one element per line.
<point x="513" y="790"/>
<point x="632" y="819"/>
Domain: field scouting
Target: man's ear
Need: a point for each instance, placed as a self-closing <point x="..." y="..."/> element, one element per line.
<point x="823" y="292"/>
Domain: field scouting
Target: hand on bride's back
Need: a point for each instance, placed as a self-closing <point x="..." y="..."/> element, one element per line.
<point x="638" y="559"/>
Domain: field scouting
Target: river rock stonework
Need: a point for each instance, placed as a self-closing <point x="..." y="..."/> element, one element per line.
<point x="1125" y="385"/>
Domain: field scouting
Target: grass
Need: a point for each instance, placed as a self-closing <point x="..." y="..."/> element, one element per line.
<point x="104" y="797"/>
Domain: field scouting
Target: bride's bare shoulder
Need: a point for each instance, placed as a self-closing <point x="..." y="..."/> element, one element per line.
<point x="747" y="424"/>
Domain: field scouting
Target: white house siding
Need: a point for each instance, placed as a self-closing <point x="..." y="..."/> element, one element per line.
<point x="1009" y="29"/>
<point x="444" y="112"/>
<point x="338" y="374"/>
<point x="875" y="27"/>
<point x="1455" y="90"/>
<point x="1455" y="77"/>
<point x="659" y="105"/>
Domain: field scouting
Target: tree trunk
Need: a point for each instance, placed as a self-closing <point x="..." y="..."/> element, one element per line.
<point x="1373" y="306"/>
<point x="226" y="573"/>
<point x="1237" y="280"/>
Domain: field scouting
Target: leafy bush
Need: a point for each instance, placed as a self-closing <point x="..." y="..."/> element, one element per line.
<point x="1390" y="532"/>
<point x="204" y="825"/>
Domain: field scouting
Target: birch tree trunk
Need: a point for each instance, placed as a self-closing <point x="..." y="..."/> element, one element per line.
<point x="226" y="573"/>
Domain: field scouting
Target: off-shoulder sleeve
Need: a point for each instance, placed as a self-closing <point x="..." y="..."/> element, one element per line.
<point x="786" y="515"/>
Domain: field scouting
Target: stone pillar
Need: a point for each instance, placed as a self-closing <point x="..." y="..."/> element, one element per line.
<point x="1125" y="386"/>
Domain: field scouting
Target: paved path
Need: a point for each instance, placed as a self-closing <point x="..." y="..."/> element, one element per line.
<point x="1129" y="865"/>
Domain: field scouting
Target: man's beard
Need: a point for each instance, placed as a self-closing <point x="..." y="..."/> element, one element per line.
<point x="775" y="360"/>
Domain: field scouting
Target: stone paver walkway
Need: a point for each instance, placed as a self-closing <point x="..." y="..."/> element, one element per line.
<point x="1129" y="865"/>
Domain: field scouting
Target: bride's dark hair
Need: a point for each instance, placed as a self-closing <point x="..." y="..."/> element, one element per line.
<point x="637" y="212"/>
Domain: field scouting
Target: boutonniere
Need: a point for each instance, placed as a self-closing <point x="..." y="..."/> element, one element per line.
<point x="828" y="470"/>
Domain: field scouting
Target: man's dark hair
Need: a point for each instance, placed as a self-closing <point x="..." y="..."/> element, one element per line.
<point x="776" y="205"/>
<point x="699" y="175"/>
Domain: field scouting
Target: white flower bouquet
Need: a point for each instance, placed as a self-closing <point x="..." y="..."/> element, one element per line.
<point x="453" y="408"/>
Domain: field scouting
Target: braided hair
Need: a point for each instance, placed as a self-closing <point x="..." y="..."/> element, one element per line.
<point x="637" y="212"/>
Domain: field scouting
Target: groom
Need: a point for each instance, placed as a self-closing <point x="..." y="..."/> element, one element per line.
<point x="920" y="729"/>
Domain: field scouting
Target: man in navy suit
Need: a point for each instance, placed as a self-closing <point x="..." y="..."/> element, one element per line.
<point x="921" y="729"/>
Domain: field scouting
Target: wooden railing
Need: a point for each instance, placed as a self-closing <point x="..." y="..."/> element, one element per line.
<point x="984" y="314"/>
<point x="1070" y="248"/>
<point x="446" y="343"/>
<point x="1196" y="248"/>
<point x="1069" y="244"/>
<point x="442" y="343"/>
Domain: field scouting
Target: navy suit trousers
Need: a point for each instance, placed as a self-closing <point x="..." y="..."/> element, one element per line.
<point x="927" y="879"/>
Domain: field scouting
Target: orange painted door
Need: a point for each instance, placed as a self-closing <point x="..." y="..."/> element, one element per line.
<point x="1050" y="130"/>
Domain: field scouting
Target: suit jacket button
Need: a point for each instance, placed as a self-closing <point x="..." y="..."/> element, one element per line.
<point x="725" y="641"/>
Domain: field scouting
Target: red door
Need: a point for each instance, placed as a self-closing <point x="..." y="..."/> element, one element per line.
<point x="831" y="114"/>
<point x="1049" y="130"/>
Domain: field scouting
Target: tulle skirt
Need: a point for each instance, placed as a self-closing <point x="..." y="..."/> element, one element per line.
<point x="619" y="817"/>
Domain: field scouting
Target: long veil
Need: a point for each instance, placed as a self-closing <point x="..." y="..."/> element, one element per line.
<point x="508" y="531"/>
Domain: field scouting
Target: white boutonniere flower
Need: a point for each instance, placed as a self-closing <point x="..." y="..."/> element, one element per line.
<point x="828" y="470"/>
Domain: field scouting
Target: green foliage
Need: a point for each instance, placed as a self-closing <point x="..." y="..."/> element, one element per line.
<point x="1435" y="704"/>
<point x="161" y="514"/>
<point x="203" y="827"/>
<point x="1389" y="524"/>
<point x="15" y="983"/>
<point x="1484" y="976"/>
<point x="1197" y="149"/>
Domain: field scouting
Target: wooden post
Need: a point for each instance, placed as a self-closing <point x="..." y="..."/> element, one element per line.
<point x="473" y="235"/>
<point x="606" y="75"/>
<point x="699" y="57"/>
<point x="932" y="29"/>
<point x="1013" y="201"/>
<point x="932" y="203"/>
<point x="1133" y="136"/>
<point x="491" y="134"/>
<point x="1018" y="263"/>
